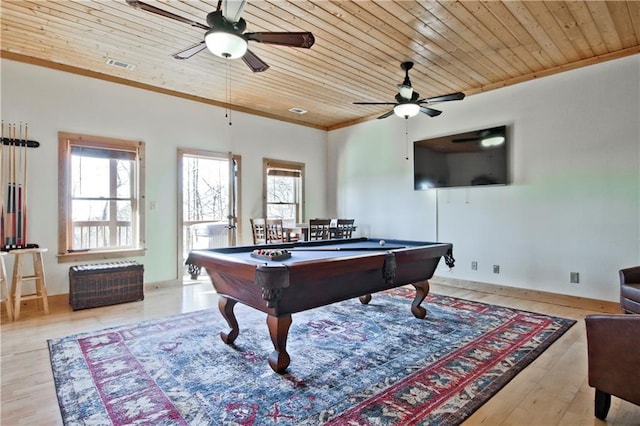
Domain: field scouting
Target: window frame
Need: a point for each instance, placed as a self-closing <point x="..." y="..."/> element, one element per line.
<point x="269" y="163"/>
<point x="65" y="142"/>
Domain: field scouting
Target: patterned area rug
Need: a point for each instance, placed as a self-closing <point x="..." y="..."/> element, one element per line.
<point x="350" y="364"/>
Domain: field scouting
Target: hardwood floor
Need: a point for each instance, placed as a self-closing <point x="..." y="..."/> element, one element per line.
<point x="553" y="390"/>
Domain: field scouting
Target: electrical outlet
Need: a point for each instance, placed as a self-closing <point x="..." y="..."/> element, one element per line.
<point x="496" y="269"/>
<point x="474" y="266"/>
<point x="574" y="277"/>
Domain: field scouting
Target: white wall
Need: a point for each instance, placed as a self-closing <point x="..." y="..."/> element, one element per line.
<point x="574" y="205"/>
<point x="51" y="101"/>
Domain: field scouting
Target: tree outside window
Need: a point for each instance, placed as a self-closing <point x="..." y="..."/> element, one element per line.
<point x="205" y="189"/>
<point x="205" y="201"/>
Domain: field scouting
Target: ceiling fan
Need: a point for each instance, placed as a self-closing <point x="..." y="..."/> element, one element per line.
<point x="225" y="36"/>
<point x="408" y="103"/>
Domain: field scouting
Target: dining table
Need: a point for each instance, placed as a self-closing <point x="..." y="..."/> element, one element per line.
<point x="300" y="232"/>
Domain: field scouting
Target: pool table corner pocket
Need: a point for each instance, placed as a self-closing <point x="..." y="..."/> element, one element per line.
<point x="272" y="280"/>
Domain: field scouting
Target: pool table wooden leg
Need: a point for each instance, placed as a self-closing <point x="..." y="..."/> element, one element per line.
<point x="278" y="330"/>
<point x="226" y="309"/>
<point x="422" y="289"/>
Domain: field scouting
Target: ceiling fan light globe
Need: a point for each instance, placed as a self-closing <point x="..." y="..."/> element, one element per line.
<point x="225" y="45"/>
<point x="406" y="110"/>
<point x="492" y="141"/>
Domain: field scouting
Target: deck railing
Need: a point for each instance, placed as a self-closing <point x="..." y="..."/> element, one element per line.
<point x="101" y="233"/>
<point x="205" y="234"/>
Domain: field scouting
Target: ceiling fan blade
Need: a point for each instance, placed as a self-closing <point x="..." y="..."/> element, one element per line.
<point x="294" y="39"/>
<point x="149" y="8"/>
<point x="375" y="103"/>
<point x="465" y="140"/>
<point x="457" y="96"/>
<point x="232" y="9"/>
<point x="254" y="62"/>
<point x="385" y="115"/>
<point x="430" y="111"/>
<point x="190" y="51"/>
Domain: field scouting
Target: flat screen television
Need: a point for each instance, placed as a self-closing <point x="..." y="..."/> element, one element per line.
<point x="466" y="159"/>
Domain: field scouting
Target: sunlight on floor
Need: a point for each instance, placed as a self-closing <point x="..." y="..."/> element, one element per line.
<point x="198" y="295"/>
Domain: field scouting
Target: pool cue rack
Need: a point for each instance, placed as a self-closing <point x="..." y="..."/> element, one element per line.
<point x="9" y="247"/>
<point x="16" y="142"/>
<point x="13" y="186"/>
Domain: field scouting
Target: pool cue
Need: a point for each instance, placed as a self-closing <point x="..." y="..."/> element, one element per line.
<point x="14" y="186"/>
<point x="2" y="173"/>
<point x="381" y="248"/>
<point x="11" y="209"/>
<point x="24" y="187"/>
<point x="6" y="188"/>
<point x="16" y="182"/>
<point x="20" y="190"/>
<point x="16" y="151"/>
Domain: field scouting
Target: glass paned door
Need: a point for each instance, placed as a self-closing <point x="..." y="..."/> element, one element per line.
<point x="207" y="200"/>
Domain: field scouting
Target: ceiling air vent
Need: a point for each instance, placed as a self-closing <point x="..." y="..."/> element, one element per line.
<point x="120" y="64"/>
<point x="298" y="111"/>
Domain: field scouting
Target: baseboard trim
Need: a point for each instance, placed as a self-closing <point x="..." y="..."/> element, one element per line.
<point x="515" y="292"/>
<point x="161" y="284"/>
<point x="62" y="299"/>
<point x="604" y="306"/>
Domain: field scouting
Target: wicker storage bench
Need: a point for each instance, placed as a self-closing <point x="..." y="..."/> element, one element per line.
<point x="104" y="284"/>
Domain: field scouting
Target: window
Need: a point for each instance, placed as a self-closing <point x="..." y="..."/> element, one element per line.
<point x="101" y="197"/>
<point x="283" y="191"/>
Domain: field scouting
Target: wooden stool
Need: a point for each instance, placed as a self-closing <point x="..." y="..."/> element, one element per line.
<point x="5" y="296"/>
<point x="38" y="277"/>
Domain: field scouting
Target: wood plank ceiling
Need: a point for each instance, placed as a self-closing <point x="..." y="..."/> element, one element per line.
<point x="468" y="46"/>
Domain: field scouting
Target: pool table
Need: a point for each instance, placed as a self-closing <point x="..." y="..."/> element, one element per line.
<point x="317" y="273"/>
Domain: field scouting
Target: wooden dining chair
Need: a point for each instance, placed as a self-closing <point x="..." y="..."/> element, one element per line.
<point x="344" y="228"/>
<point x="319" y="229"/>
<point x="259" y="230"/>
<point x="275" y="231"/>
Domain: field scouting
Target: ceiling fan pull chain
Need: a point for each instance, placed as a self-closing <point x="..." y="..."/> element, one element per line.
<point x="228" y="77"/>
<point x="406" y="135"/>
